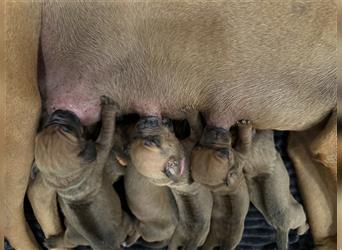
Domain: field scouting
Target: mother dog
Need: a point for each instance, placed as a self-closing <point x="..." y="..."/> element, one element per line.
<point x="270" y="62"/>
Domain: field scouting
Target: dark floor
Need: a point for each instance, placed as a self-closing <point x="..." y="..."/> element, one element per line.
<point x="258" y="235"/>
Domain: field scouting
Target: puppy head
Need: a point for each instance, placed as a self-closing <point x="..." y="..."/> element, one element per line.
<point x="60" y="147"/>
<point x="156" y="152"/>
<point x="213" y="162"/>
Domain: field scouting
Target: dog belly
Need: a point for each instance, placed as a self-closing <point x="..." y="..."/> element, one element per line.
<point x="143" y="66"/>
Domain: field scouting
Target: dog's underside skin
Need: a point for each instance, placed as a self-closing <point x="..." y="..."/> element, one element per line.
<point x="91" y="207"/>
<point x="280" y="75"/>
<point x="165" y="56"/>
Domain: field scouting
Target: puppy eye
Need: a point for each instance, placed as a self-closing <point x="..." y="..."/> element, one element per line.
<point x="66" y="129"/>
<point x="152" y="142"/>
<point x="222" y="153"/>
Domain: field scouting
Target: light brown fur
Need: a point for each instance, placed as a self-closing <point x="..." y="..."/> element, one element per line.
<point x="22" y="28"/>
<point x="297" y="63"/>
<point x="313" y="153"/>
<point x="278" y="71"/>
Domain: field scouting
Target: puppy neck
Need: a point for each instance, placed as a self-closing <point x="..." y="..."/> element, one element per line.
<point x="151" y="125"/>
<point x="215" y="137"/>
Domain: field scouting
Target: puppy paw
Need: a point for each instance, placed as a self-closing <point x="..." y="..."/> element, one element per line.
<point x="109" y="104"/>
<point x="234" y="178"/>
<point x="131" y="240"/>
<point x="303" y="229"/>
<point x="53" y="242"/>
<point x="244" y="123"/>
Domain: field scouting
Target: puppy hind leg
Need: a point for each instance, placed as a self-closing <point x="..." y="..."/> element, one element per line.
<point x="176" y="241"/>
<point x="131" y="239"/>
<point x="132" y="230"/>
<point x="208" y="246"/>
<point x="55" y="241"/>
<point x="282" y="239"/>
<point x="129" y="224"/>
<point x="68" y="239"/>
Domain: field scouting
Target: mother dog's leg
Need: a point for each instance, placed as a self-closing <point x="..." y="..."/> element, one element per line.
<point x="314" y="156"/>
<point x="23" y="110"/>
<point x="43" y="200"/>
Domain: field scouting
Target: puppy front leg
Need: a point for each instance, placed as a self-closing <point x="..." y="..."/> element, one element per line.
<point x="68" y="239"/>
<point x="245" y="131"/>
<point x="131" y="227"/>
<point x="238" y="207"/>
<point x="194" y="203"/>
<point x="196" y="127"/>
<point x="105" y="140"/>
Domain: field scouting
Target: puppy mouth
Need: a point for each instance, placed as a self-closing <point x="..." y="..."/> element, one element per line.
<point x="175" y="168"/>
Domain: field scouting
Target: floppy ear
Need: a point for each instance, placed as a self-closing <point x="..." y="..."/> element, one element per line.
<point x="234" y="175"/>
<point x="88" y="153"/>
<point x="122" y="159"/>
<point x="34" y="171"/>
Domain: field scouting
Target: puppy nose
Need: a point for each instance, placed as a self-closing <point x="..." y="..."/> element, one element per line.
<point x="152" y="142"/>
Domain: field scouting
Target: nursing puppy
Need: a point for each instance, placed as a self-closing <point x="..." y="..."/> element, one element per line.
<point x="213" y="166"/>
<point x="74" y="167"/>
<point x="265" y="173"/>
<point x="151" y="205"/>
<point x="157" y="154"/>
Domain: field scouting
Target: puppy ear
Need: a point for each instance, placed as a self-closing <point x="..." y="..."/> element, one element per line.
<point x="122" y="159"/>
<point x="234" y="175"/>
<point x="34" y="171"/>
<point x="88" y="153"/>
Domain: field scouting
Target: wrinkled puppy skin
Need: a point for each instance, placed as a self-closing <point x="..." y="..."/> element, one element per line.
<point x="74" y="168"/>
<point x="214" y="166"/>
<point x="268" y="183"/>
<point x="157" y="154"/>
